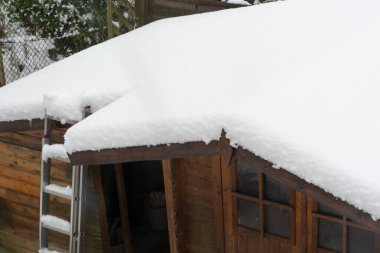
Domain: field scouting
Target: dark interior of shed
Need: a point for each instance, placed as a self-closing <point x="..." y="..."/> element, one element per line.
<point x="144" y="197"/>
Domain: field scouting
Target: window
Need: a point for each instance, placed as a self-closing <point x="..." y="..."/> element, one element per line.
<point x="337" y="233"/>
<point x="263" y="204"/>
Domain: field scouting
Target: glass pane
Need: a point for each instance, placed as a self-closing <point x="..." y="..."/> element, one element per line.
<point x="248" y="214"/>
<point x="360" y="241"/>
<point x="330" y="235"/>
<point x="325" y="209"/>
<point x="277" y="221"/>
<point x="247" y="179"/>
<point x="275" y="191"/>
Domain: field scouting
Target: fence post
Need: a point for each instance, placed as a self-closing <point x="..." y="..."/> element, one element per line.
<point x="2" y="70"/>
<point x="142" y="12"/>
<point x="109" y="19"/>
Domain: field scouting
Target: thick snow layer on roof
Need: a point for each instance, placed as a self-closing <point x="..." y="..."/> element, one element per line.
<point x="93" y="77"/>
<point x="296" y="82"/>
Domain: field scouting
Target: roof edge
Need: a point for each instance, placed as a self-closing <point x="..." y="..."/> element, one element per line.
<point x="228" y="153"/>
<point x="21" y="125"/>
<point x="143" y="153"/>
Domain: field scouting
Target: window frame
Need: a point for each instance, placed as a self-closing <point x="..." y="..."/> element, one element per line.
<point x="262" y="203"/>
<point x="344" y="221"/>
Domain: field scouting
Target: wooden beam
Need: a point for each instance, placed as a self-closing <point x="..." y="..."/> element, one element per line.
<point x="311" y="190"/>
<point x="123" y="205"/>
<point x="21" y="125"/>
<point x="218" y="203"/>
<point x="170" y="206"/>
<point x="143" y="153"/>
<point x="102" y="209"/>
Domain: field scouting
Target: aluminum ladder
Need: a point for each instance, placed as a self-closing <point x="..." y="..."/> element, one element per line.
<point x="77" y="194"/>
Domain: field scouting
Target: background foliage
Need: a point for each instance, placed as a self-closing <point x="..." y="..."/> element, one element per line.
<point x="73" y="24"/>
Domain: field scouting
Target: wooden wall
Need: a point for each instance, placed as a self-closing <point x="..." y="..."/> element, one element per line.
<point x="20" y="158"/>
<point x="158" y="9"/>
<point x="198" y="204"/>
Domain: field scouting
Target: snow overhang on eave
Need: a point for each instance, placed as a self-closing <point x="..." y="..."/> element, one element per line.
<point x="227" y="152"/>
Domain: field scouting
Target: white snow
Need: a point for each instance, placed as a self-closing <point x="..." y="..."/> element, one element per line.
<point x="296" y="82"/>
<point x="45" y="250"/>
<point x="60" y="190"/>
<point x="241" y="2"/>
<point x="56" y="223"/>
<point x="55" y="151"/>
<point x="93" y="77"/>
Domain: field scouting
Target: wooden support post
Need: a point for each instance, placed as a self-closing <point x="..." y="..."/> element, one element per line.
<point x="124" y="217"/>
<point x="218" y="203"/>
<point x="2" y="70"/>
<point x="109" y="19"/>
<point x="229" y="204"/>
<point x="170" y="205"/>
<point x="102" y="209"/>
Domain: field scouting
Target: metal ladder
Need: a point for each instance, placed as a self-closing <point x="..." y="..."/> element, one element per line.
<point x="75" y="228"/>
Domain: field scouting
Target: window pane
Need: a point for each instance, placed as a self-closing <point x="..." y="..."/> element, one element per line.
<point x="277" y="221"/>
<point x="275" y="191"/>
<point x="248" y="214"/>
<point x="247" y="179"/>
<point x="325" y="209"/>
<point x="360" y="241"/>
<point x="330" y="235"/>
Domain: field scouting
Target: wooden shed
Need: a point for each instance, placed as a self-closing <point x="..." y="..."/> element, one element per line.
<point x="20" y="166"/>
<point x="224" y="199"/>
<point x="219" y="197"/>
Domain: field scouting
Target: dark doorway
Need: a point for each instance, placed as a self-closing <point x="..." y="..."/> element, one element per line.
<point x="144" y="202"/>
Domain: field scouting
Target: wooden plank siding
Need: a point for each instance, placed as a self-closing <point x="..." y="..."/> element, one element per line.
<point x="198" y="204"/>
<point x="20" y="162"/>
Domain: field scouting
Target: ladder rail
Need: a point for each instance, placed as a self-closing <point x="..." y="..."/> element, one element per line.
<point x="45" y="180"/>
<point x="78" y="198"/>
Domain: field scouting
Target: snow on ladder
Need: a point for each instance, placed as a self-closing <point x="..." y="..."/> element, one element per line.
<point x="76" y="193"/>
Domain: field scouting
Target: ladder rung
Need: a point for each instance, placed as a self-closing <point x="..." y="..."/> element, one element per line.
<point x="55" y="151"/>
<point x="57" y="224"/>
<point x="64" y="192"/>
<point x="45" y="250"/>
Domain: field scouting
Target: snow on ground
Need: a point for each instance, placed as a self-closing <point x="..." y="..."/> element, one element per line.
<point x="296" y="82"/>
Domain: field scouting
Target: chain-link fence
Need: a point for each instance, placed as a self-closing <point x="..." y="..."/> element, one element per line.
<point x="34" y="34"/>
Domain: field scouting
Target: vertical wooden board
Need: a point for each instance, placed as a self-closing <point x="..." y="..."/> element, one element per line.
<point x="253" y="243"/>
<point x="218" y="203"/>
<point x="120" y="183"/>
<point x="199" y="204"/>
<point x="377" y="244"/>
<point x="312" y="228"/>
<point x="168" y="181"/>
<point x="300" y="223"/>
<point x="242" y="242"/>
<point x="102" y="209"/>
<point x="229" y="206"/>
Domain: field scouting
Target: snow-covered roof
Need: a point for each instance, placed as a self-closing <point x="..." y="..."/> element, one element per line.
<point x="296" y="82"/>
<point x="93" y="77"/>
